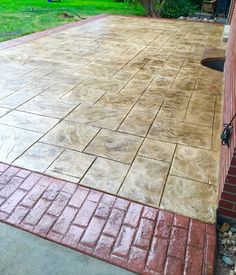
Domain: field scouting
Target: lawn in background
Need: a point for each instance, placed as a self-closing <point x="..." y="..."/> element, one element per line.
<point x="20" y="17"/>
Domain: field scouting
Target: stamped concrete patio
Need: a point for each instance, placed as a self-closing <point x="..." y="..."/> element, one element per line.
<point x="121" y="105"/>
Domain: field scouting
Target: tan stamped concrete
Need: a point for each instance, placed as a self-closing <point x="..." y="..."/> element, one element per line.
<point x="121" y="105"/>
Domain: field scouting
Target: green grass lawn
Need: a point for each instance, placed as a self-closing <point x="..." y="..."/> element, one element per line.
<point x="20" y="17"/>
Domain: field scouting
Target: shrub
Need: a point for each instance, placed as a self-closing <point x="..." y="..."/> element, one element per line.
<point x="168" y="8"/>
<point x="175" y="8"/>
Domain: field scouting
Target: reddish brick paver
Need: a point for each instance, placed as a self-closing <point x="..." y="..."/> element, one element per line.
<point x="128" y="234"/>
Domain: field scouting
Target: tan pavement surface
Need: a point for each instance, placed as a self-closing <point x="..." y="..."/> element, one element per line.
<point x="122" y="105"/>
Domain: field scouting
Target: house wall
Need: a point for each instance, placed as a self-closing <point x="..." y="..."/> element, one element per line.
<point x="230" y="15"/>
<point x="227" y="202"/>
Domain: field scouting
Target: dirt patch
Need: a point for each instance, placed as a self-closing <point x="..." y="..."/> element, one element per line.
<point x="66" y="15"/>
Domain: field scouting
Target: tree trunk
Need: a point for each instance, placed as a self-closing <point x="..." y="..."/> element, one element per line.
<point x="149" y="6"/>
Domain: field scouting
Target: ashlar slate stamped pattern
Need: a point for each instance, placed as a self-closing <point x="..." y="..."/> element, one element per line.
<point x="121" y="105"/>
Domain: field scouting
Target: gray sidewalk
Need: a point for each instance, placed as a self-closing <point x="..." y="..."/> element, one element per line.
<point x="24" y="254"/>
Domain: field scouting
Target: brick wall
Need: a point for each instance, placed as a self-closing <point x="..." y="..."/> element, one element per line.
<point x="227" y="203"/>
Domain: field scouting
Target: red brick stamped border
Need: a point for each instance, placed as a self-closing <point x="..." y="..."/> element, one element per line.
<point x="37" y="35"/>
<point x="128" y="234"/>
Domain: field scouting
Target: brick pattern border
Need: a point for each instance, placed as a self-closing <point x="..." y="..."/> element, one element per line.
<point x="37" y="35"/>
<point x="136" y="237"/>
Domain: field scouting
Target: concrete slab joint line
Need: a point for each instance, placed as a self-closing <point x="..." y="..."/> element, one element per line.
<point x="134" y="236"/>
